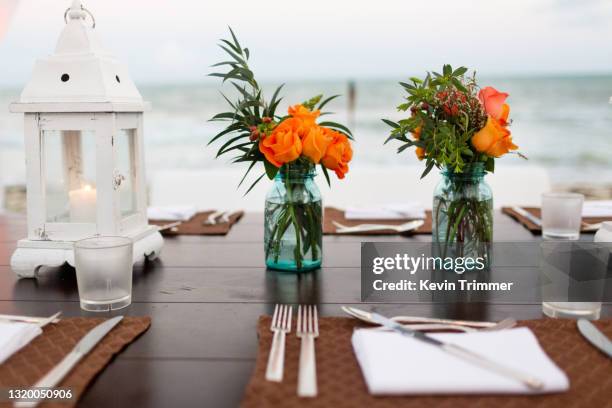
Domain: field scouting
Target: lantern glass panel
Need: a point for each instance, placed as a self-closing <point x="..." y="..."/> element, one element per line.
<point x="69" y="169"/>
<point x="126" y="168"/>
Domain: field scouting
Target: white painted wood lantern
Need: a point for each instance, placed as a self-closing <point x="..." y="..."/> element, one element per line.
<point x="84" y="151"/>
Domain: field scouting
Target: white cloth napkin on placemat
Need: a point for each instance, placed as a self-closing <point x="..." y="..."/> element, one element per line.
<point x="173" y="213"/>
<point x="601" y="208"/>
<point x="14" y="336"/>
<point x="386" y="212"/>
<point x="393" y="364"/>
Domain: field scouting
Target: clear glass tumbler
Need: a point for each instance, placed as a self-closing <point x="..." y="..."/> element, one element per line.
<point x="561" y="216"/>
<point x="573" y="270"/>
<point x="104" y="272"/>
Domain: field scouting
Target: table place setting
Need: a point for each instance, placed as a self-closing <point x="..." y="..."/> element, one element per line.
<point x="478" y="367"/>
<point x="392" y="219"/>
<point x="562" y="211"/>
<point x="412" y="361"/>
<point x="187" y="220"/>
<point x="65" y="353"/>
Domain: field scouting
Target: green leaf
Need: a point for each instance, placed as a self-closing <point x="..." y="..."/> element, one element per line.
<point x="490" y="164"/>
<point x="224" y="115"/>
<point x="226" y="146"/>
<point x="326" y="174"/>
<point x="218" y="64"/>
<point x="460" y="71"/>
<point x="273" y="102"/>
<point x="246" y="173"/>
<point x="254" y="183"/>
<point x="430" y="165"/>
<point x="338" y="126"/>
<point x="326" y="101"/>
<point x="235" y="40"/>
<point x="231" y="128"/>
<point x="271" y="170"/>
<point x="391" y="123"/>
<point x="459" y="85"/>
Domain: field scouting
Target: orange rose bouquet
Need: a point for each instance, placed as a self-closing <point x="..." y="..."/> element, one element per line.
<point x="461" y="129"/>
<point x="290" y="147"/>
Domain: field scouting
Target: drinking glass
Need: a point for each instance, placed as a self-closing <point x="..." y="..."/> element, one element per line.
<point x="561" y="216"/>
<point x="104" y="272"/>
<point x="573" y="270"/>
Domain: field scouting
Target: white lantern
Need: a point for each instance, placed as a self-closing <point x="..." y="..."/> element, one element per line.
<point x="84" y="151"/>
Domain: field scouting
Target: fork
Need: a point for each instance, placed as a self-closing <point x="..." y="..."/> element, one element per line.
<point x="281" y="325"/>
<point x="212" y="218"/>
<point x="407" y="226"/>
<point x="307" y="330"/>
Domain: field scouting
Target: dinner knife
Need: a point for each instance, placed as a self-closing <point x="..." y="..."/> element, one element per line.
<point x="83" y="347"/>
<point x="526" y="214"/>
<point x="595" y="336"/>
<point x="455" y="350"/>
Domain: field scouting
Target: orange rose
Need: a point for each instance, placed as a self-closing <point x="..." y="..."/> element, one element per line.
<point x="494" y="139"/>
<point x="494" y="103"/>
<point x="316" y="142"/>
<point x="284" y="144"/>
<point x="338" y="154"/>
<point x="303" y="113"/>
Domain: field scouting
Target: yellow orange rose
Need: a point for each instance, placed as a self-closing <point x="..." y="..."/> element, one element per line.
<point x="303" y="113"/>
<point x="493" y="139"/>
<point x="284" y="144"/>
<point x="315" y="143"/>
<point x="338" y="154"/>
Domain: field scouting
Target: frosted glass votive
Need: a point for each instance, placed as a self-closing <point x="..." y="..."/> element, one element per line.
<point x="104" y="272"/>
<point x="561" y="216"/>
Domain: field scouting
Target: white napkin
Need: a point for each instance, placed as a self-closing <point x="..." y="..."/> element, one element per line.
<point x="173" y="213"/>
<point x="386" y="212"/>
<point x="601" y="208"/>
<point x="14" y="336"/>
<point x="393" y="364"/>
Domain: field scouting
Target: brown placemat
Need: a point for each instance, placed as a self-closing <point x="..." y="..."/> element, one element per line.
<point x="196" y="225"/>
<point x="336" y="214"/>
<point x="341" y="384"/>
<point x="536" y="229"/>
<point x="28" y="365"/>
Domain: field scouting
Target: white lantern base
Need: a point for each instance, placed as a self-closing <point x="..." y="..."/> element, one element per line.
<point x="31" y="255"/>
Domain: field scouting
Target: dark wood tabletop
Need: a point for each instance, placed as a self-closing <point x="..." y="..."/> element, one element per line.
<point x="204" y="296"/>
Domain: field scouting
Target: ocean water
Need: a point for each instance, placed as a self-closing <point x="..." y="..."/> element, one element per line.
<point x="561" y="123"/>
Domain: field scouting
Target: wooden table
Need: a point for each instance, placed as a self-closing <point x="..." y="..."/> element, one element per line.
<point x="204" y="296"/>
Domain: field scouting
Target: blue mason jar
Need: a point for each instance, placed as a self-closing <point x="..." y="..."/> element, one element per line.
<point x="293" y="236"/>
<point x="462" y="215"/>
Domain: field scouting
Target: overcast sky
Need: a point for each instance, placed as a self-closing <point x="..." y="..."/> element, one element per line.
<point x="174" y="41"/>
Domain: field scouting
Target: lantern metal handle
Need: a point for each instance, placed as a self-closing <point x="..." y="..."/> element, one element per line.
<point x="93" y="19"/>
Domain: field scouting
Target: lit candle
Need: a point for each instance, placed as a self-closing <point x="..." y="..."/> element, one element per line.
<point x="83" y="204"/>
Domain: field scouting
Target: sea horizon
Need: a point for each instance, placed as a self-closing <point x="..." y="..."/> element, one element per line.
<point x="549" y="113"/>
